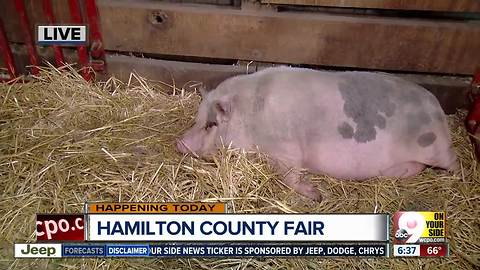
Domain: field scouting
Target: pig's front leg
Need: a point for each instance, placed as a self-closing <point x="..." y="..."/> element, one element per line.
<point x="293" y="178"/>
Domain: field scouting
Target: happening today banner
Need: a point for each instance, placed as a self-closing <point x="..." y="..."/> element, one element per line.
<point x="170" y="222"/>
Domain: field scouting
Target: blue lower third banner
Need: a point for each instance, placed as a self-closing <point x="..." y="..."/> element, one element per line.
<point x="225" y="250"/>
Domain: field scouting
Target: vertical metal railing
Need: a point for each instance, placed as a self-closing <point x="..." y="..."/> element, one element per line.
<point x="82" y="49"/>
<point x="472" y="121"/>
<point x="27" y="35"/>
<point x="57" y="50"/>
<point x="7" y="52"/>
<point x="96" y="43"/>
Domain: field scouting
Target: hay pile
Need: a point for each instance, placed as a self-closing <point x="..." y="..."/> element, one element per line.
<point x="64" y="141"/>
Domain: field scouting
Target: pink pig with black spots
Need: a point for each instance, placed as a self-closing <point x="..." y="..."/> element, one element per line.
<point x="348" y="125"/>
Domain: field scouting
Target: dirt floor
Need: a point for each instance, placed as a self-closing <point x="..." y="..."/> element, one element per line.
<point x="64" y="142"/>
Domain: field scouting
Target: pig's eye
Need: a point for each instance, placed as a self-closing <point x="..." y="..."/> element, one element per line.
<point x="210" y="124"/>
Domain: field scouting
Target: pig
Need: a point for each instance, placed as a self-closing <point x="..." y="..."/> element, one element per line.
<point x="347" y="125"/>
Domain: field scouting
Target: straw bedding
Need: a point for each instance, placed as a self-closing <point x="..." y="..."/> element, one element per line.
<point x="64" y="141"/>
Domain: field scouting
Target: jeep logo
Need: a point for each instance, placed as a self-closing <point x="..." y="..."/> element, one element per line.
<point x="38" y="250"/>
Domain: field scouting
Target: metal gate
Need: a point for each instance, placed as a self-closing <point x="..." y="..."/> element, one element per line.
<point x="91" y="58"/>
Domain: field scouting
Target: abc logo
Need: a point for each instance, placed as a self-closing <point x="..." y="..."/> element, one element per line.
<point x="410" y="227"/>
<point x="401" y="234"/>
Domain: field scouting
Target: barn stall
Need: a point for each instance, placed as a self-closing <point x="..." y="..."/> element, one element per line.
<point x="103" y="129"/>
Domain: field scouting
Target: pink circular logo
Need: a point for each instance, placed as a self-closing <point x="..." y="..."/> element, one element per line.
<point x="412" y="224"/>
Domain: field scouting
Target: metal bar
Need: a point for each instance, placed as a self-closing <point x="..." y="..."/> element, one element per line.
<point x="96" y="48"/>
<point x="476" y="78"/>
<point x="7" y="52"/>
<point x="472" y="121"/>
<point x="57" y="50"/>
<point x="82" y="50"/>
<point x="472" y="124"/>
<point x="32" y="51"/>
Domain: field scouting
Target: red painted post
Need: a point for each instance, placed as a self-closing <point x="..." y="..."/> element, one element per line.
<point x="96" y="48"/>
<point x="82" y="50"/>
<point x="476" y="78"/>
<point x="7" y="52"/>
<point x="32" y="51"/>
<point x="57" y="50"/>
<point x="472" y="122"/>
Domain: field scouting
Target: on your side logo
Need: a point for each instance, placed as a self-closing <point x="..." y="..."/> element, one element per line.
<point x="62" y="34"/>
<point x="38" y="250"/>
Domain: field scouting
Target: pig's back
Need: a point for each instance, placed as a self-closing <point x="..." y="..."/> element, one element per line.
<point x="346" y="124"/>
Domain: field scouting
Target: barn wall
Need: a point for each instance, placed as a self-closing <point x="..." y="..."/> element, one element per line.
<point x="301" y="32"/>
<point x="297" y="38"/>
<point x="430" y="5"/>
<point x="228" y="32"/>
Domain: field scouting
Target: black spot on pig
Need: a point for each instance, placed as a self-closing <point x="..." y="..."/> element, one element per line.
<point x="380" y="121"/>
<point x="410" y="93"/>
<point x="410" y="97"/>
<point x="345" y="130"/>
<point x="390" y="110"/>
<point x="366" y="96"/>
<point x="415" y="121"/>
<point x="365" y="134"/>
<point x="426" y="139"/>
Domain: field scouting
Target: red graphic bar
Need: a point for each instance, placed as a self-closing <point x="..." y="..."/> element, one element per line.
<point x="32" y="51"/>
<point x="57" y="50"/>
<point x="62" y="227"/>
<point x="7" y="52"/>
<point x="96" y="48"/>
<point x="438" y="250"/>
<point x="82" y="49"/>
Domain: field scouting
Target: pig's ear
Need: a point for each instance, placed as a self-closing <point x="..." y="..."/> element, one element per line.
<point x="203" y="90"/>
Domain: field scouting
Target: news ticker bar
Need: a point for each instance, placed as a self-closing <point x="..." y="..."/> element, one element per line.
<point x="37" y="250"/>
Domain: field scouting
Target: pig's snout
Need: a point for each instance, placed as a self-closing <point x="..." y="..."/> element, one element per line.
<point x="181" y="147"/>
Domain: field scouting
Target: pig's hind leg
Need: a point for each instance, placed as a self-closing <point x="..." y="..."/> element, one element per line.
<point x="293" y="178"/>
<point x="405" y="169"/>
